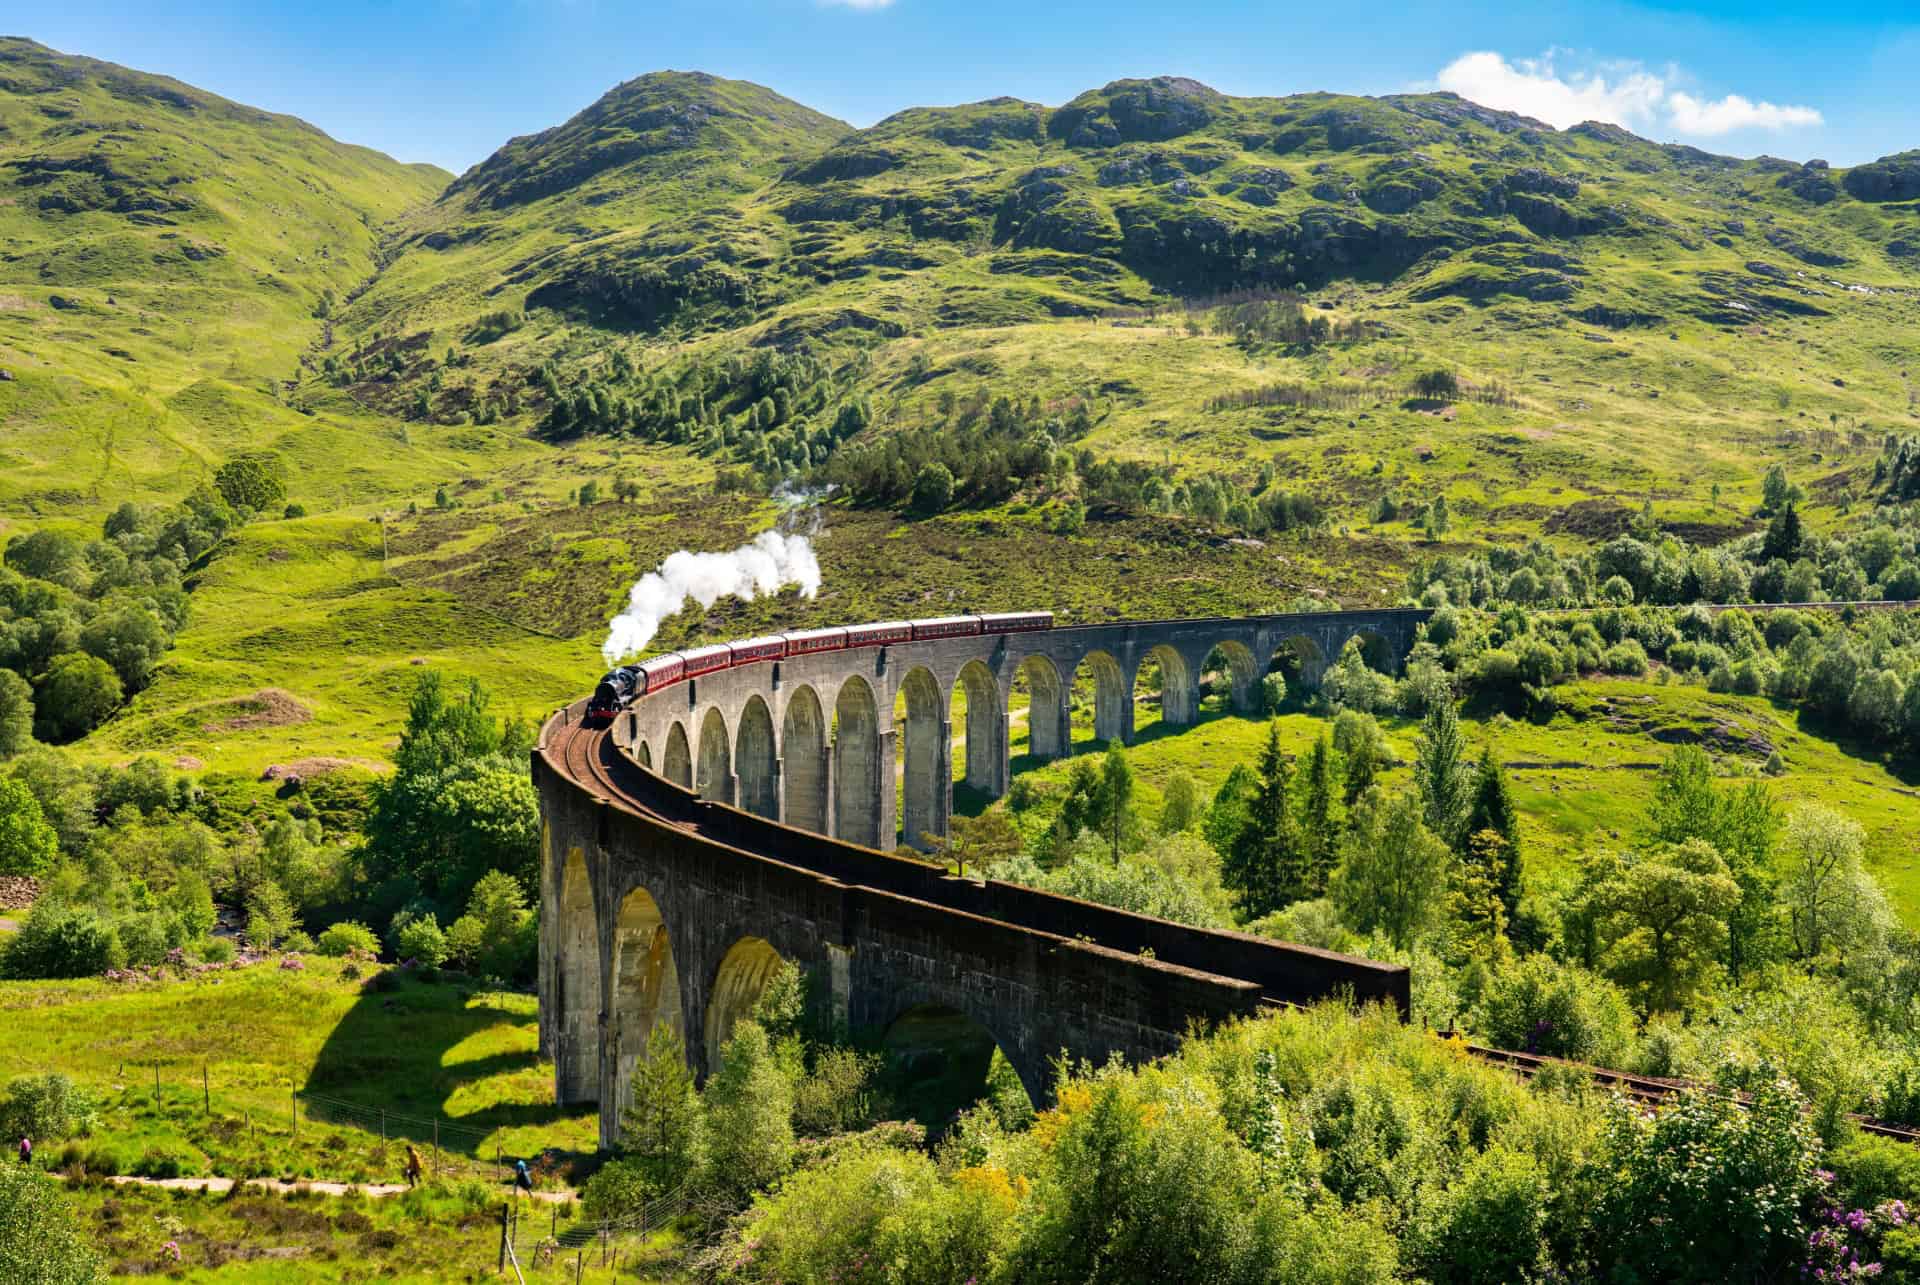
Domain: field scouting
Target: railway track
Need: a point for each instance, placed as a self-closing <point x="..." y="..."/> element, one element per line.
<point x="1646" y="1088"/>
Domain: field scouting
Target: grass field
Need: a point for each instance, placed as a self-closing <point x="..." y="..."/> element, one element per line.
<point x="260" y="1033"/>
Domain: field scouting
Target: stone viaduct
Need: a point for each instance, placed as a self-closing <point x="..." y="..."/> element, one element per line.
<point x="746" y="816"/>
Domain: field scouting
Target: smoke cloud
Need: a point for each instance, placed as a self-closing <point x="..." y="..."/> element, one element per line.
<point x="772" y="562"/>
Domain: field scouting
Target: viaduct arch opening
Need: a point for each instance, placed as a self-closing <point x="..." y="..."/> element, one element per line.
<point x="985" y="730"/>
<point x="926" y="771"/>
<point x="1228" y="677"/>
<point x="942" y="1061"/>
<point x="1098" y="683"/>
<point x="756" y="761"/>
<point x="1299" y="660"/>
<point x="803" y="758"/>
<point x="1044" y="720"/>
<point x="1162" y="673"/>
<point x="577" y="986"/>
<point x="676" y="763"/>
<point x="738" y="983"/>
<point x="714" y="778"/>
<point x="857" y="765"/>
<point x="646" y="991"/>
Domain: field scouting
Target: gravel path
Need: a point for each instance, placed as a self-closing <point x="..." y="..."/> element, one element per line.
<point x="376" y="1189"/>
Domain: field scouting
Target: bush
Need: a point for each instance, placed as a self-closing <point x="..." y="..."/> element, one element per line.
<point x="166" y="1160"/>
<point x="42" y="1242"/>
<point x="60" y="941"/>
<point x="1625" y="659"/>
<point x="421" y="941"/>
<point x="1487" y="1226"/>
<point x="342" y="939"/>
<point x="45" y="1107"/>
<point x="1704" y="1182"/>
<point x="216" y="950"/>
<point x="1540" y="1006"/>
<point x="619" y="1190"/>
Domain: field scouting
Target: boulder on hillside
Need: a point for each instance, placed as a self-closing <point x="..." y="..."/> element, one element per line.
<point x="1891" y="178"/>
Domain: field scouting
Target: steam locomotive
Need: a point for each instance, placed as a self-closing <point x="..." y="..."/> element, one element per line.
<point x="624" y="684"/>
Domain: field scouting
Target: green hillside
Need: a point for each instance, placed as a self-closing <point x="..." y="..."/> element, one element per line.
<point x="166" y="259"/>
<point x="1134" y="325"/>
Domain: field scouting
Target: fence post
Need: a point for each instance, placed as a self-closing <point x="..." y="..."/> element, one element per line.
<point x="504" y="1209"/>
<point x="383" y="1129"/>
<point x="156" y="1086"/>
<point x="296" y="1116"/>
<point x="436" y="1146"/>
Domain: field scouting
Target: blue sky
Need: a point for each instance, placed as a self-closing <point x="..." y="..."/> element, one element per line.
<point x="447" y="81"/>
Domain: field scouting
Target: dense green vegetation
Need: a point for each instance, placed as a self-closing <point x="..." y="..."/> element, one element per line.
<point x="1154" y="352"/>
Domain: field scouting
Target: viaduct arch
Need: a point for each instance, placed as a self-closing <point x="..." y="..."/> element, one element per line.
<point x="671" y="892"/>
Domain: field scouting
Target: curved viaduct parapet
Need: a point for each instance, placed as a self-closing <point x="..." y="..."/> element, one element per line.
<point x="741" y="813"/>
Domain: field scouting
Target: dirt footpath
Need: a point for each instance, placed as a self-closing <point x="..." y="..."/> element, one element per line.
<point x="376" y="1189"/>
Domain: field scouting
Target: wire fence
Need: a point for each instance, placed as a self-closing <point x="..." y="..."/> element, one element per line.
<point x="535" y="1238"/>
<point x="451" y="1150"/>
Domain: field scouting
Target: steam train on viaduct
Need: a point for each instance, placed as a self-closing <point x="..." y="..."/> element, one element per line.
<point x="621" y="686"/>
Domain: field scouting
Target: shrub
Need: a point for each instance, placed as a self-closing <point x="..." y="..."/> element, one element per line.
<point x="422" y="941"/>
<point x="342" y="939"/>
<point x="60" y="941"/>
<point x="619" y="1190"/>
<point x="166" y="1160"/>
<point x="216" y="950"/>
<point x="1703" y="1181"/>
<point x="1487" y="1226"/>
<point x="1626" y="659"/>
<point x="41" y="1240"/>
<point x="837" y="1094"/>
<point x="1540" y="1006"/>
<point x="45" y="1107"/>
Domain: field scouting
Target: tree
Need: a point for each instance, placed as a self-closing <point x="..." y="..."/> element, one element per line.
<point x="589" y="494"/>
<point x="42" y="1242"/>
<point x="493" y="933"/>
<point x="1664" y="920"/>
<point x="75" y="695"/>
<point x="1442" y="775"/>
<point x="131" y="639"/>
<point x="1263" y="863"/>
<point x="48" y="555"/>
<point x="749" y="1105"/>
<point x="1362" y="746"/>
<point x="1116" y="786"/>
<point x="1775" y="491"/>
<point x="1392" y="870"/>
<point x="1784" y="536"/>
<point x="1823" y="873"/>
<point x="28" y="845"/>
<point x="1437" y="384"/>
<point x="662" y="1128"/>
<point x="1319" y="828"/>
<point x="1180" y="803"/>
<point x="1227" y="813"/>
<point x="270" y="915"/>
<point x="932" y="488"/>
<point x="16" y="714"/>
<point x="1741" y="824"/>
<point x="1492" y="809"/>
<point x="256" y="480"/>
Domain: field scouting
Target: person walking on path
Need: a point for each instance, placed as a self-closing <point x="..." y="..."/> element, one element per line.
<point x="413" y="1165"/>
<point x="26" y="1150"/>
<point x="522" y="1180"/>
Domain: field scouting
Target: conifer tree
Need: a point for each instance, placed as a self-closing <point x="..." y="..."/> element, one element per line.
<point x="1264" y="863"/>
<point x="1492" y="810"/>
<point x="1319" y="830"/>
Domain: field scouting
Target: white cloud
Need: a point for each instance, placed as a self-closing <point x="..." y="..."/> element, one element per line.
<point x="1622" y="94"/>
<point x="1692" y="116"/>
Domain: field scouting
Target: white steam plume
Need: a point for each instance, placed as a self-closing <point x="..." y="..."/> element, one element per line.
<point x="772" y="562"/>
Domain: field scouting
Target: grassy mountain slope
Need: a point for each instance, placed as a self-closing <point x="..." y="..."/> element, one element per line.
<point x="164" y="254"/>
